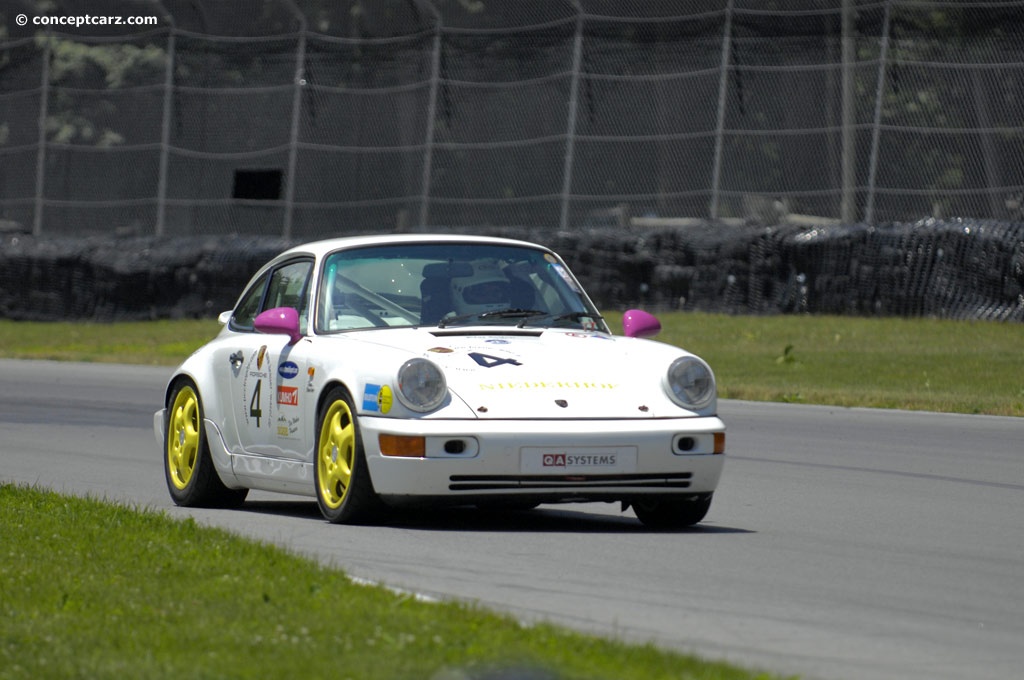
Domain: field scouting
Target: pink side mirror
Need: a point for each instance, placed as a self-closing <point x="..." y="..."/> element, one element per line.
<point x="637" y="323"/>
<point x="280" y="321"/>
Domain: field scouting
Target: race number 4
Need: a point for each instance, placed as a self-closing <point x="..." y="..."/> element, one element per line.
<point x="256" y="403"/>
<point x="488" y="361"/>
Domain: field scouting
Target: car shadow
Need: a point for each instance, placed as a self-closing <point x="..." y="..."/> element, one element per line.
<point x="545" y="518"/>
<point x="290" y="508"/>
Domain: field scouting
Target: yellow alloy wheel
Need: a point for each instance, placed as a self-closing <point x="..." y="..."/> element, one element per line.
<point x="336" y="455"/>
<point x="183" y="437"/>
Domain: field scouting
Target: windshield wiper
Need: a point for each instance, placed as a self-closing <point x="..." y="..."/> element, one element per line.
<point x="511" y="313"/>
<point x="571" y="316"/>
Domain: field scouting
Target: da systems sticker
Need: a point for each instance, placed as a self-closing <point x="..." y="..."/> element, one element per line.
<point x="578" y="460"/>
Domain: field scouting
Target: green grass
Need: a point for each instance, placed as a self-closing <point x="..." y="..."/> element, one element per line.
<point x="163" y="343"/>
<point x="917" y="364"/>
<point x="920" y="364"/>
<point x="94" y="590"/>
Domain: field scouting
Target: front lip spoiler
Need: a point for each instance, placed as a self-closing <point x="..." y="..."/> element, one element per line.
<point x="680" y="480"/>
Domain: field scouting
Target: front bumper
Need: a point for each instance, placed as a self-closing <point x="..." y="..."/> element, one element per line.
<point x="547" y="460"/>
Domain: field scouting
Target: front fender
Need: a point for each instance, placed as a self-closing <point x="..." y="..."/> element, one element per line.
<point x="372" y="382"/>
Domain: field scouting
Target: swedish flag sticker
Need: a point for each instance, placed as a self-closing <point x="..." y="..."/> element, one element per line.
<point x="370" y="395"/>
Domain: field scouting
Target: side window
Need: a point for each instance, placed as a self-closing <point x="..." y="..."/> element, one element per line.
<point x="249" y="306"/>
<point x="285" y="286"/>
<point x="289" y="287"/>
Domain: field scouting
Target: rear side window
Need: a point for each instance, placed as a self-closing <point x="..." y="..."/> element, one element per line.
<point x="283" y="286"/>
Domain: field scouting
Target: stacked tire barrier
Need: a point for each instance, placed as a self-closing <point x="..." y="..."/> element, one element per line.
<point x="956" y="269"/>
<point x="125" y="279"/>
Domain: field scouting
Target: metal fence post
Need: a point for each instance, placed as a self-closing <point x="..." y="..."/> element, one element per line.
<point x="428" y="142"/>
<point x="989" y="155"/>
<point x="44" y="97"/>
<point x="165" y="135"/>
<point x="723" y="90"/>
<point x="570" y="129"/>
<point x="299" y="82"/>
<point x="848" y="202"/>
<point x="876" y="131"/>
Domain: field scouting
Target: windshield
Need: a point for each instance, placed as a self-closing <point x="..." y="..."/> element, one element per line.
<point x="449" y="285"/>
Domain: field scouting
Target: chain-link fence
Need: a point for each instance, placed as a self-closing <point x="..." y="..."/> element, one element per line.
<point x="308" y="118"/>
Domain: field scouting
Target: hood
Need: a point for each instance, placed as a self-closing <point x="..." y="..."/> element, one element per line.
<point x="553" y="373"/>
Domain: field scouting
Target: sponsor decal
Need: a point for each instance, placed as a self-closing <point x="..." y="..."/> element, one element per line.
<point x="441" y="350"/>
<point x="309" y="383"/>
<point x="590" y="336"/>
<point x="287" y="396"/>
<point x="498" y="341"/>
<point x="384" y="399"/>
<point x="262" y="355"/>
<point x="577" y="460"/>
<point x="377" y="398"/>
<point x="569" y="460"/>
<point x="526" y="385"/>
<point x="287" y="428"/>
<point x="288" y="370"/>
<point x="565" y="276"/>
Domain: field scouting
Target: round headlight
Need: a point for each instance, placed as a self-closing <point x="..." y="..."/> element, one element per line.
<point x="690" y="383"/>
<point x="421" y="385"/>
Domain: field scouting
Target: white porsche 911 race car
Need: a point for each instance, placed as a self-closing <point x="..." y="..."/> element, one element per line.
<point x="376" y="372"/>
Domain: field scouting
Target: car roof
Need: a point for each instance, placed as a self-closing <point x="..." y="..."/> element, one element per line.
<point x="324" y="246"/>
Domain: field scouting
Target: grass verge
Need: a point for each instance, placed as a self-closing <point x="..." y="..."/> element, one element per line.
<point x="122" y="592"/>
<point x="918" y="364"/>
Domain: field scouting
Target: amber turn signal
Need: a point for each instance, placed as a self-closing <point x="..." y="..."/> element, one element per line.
<point x="719" y="442"/>
<point x="402" y="446"/>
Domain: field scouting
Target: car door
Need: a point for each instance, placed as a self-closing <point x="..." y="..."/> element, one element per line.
<point x="265" y="371"/>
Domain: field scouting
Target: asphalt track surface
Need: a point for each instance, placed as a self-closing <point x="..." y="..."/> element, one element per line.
<point x="845" y="544"/>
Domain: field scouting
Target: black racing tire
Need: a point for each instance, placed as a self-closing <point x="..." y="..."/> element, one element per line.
<point x="191" y="477"/>
<point x="344" y="490"/>
<point x="671" y="513"/>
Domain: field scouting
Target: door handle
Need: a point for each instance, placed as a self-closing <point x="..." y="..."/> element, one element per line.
<point x="236" y="359"/>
